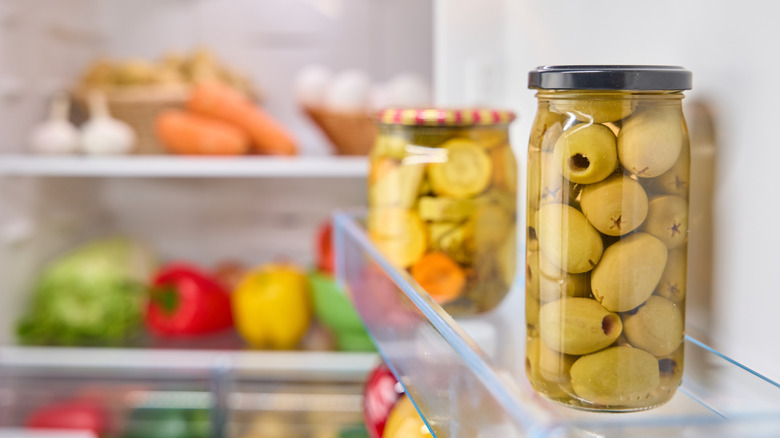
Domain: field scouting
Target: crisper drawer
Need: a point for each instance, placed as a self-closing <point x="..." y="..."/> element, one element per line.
<point x="168" y="394"/>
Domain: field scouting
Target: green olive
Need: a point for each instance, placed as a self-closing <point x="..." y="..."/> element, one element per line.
<point x="531" y="310"/>
<point x="597" y="109"/>
<point x="557" y="389"/>
<point x="672" y="284"/>
<point x="628" y="272"/>
<point x="677" y="180"/>
<point x="578" y="326"/>
<point x="671" y="368"/>
<point x="586" y="153"/>
<point x="656" y="327"/>
<point x="617" y="376"/>
<point x="554" y="366"/>
<point x="615" y="206"/>
<point x="651" y="140"/>
<point x="667" y="220"/>
<point x="547" y="126"/>
<point x="567" y="239"/>
<point x="555" y="283"/>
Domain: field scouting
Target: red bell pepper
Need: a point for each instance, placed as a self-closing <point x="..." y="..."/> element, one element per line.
<point x="184" y="301"/>
<point x="70" y="415"/>
<point x="325" y="251"/>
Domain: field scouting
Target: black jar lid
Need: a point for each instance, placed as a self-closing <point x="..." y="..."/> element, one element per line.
<point x="610" y="77"/>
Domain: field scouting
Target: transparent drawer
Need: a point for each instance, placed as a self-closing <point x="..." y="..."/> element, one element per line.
<point x="467" y="376"/>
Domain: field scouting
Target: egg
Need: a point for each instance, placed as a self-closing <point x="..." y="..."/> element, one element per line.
<point x="409" y="90"/>
<point x="311" y="84"/>
<point x="349" y="91"/>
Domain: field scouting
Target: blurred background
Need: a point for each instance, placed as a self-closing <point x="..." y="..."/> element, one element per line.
<point x="317" y="69"/>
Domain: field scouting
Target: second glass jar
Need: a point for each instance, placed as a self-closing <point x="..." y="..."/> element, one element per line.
<point x="442" y="192"/>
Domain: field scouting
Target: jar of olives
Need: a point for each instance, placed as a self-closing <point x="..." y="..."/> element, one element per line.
<point x="607" y="227"/>
<point x="442" y="192"/>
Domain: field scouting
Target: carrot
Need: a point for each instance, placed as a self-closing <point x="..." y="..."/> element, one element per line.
<point x="222" y="102"/>
<point x="190" y="134"/>
<point x="440" y="276"/>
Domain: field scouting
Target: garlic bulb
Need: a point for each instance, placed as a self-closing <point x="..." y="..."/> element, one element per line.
<point x="56" y="135"/>
<point x="102" y="134"/>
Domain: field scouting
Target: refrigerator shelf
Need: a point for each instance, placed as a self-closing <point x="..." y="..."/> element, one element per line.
<point x="184" y="167"/>
<point x="467" y="376"/>
<point x="298" y="365"/>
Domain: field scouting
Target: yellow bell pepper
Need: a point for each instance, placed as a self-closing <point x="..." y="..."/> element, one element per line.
<point x="405" y="422"/>
<point x="272" y="307"/>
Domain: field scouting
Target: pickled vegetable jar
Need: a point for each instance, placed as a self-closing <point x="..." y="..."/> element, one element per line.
<point x="607" y="227"/>
<point x="442" y="202"/>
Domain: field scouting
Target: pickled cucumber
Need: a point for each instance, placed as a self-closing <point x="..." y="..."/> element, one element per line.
<point x="504" y="168"/>
<point x="466" y="172"/>
<point x="391" y="146"/>
<point x="451" y="238"/>
<point x="567" y="239"/>
<point x="445" y="209"/>
<point x="586" y="154"/>
<point x="578" y="326"/>
<point x="398" y="187"/>
<point x="656" y="327"/>
<point x="651" y="140"/>
<point x="617" y="376"/>
<point x="667" y="220"/>
<point x="489" y="226"/>
<point x="399" y="235"/>
<point x="615" y="206"/>
<point x="629" y="271"/>
<point x="672" y="284"/>
<point x="596" y="109"/>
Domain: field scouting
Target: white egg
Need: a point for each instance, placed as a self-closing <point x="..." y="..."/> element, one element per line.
<point x="379" y="98"/>
<point x="409" y="90"/>
<point x="311" y="84"/>
<point x="349" y="92"/>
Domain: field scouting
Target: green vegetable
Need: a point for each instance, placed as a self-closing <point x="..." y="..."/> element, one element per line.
<point x="93" y="295"/>
<point x="168" y="423"/>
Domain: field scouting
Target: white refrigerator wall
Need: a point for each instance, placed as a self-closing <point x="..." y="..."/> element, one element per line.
<point x="731" y="49"/>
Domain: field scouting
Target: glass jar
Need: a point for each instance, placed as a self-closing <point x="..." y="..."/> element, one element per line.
<point x="607" y="227"/>
<point x="442" y="192"/>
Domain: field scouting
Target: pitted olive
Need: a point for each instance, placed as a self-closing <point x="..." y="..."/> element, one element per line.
<point x="615" y="206"/>
<point x="578" y="326"/>
<point x="628" y="272"/>
<point x="667" y="220"/>
<point x="586" y="153"/>
<point x="656" y="327"/>
<point x="617" y="376"/>
<point x="567" y="239"/>
<point x="650" y="141"/>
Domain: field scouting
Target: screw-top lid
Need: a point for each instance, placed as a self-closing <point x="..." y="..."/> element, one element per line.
<point x="610" y="77"/>
<point x="444" y="117"/>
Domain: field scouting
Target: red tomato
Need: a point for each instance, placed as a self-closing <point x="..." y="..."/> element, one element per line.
<point x="325" y="252"/>
<point x="72" y="415"/>
<point x="381" y="393"/>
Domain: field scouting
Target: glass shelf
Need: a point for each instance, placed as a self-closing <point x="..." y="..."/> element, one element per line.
<point x="161" y="166"/>
<point x="467" y="376"/>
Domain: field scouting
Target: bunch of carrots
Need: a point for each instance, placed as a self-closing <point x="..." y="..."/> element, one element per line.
<point x="219" y="120"/>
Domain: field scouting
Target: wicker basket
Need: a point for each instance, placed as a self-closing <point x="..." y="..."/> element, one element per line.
<point x="350" y="133"/>
<point x="138" y="106"/>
